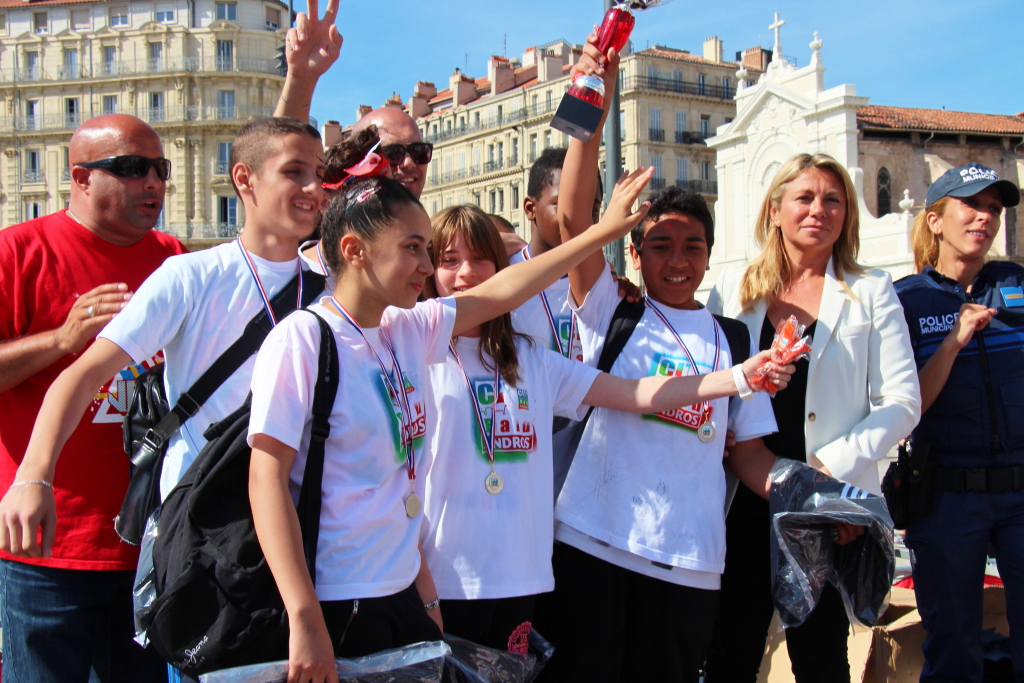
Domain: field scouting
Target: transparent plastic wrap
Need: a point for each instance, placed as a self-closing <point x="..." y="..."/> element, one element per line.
<point x="419" y="663"/>
<point x="472" y="663"/>
<point x="144" y="591"/>
<point x="805" y="506"/>
<point x="791" y="345"/>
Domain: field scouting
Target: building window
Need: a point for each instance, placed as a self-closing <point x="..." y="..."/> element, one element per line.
<point x="33" y="210"/>
<point x="165" y="14"/>
<point x="69" y="69"/>
<point x="433" y="207"/>
<point x="658" y="179"/>
<point x="462" y="161"/>
<point x="223" y="158"/>
<point x="515" y="151"/>
<point x="705" y="127"/>
<point x="476" y="198"/>
<point x="462" y="199"/>
<point x="80" y="20"/>
<point x="549" y="100"/>
<point x="657" y="132"/>
<point x="447" y="202"/>
<point x="40" y="22"/>
<point x="108" y="67"/>
<point x="31" y="114"/>
<point x="547" y="139"/>
<point x="726" y="84"/>
<point x="65" y="171"/>
<point x="33" y="169"/>
<point x="705" y="170"/>
<point x="273" y="19"/>
<point x="227" y="215"/>
<point x="682" y="172"/>
<point x="72" y="113"/>
<point x="622" y="125"/>
<point x="156" y="57"/>
<point x="884" y="192"/>
<point x="476" y="159"/>
<point x="156" y="107"/>
<point x="227" y="10"/>
<point x="494" y="201"/>
<point x="3" y="24"/>
<point x="225" y="104"/>
<point x="119" y="16"/>
<point x="533" y="148"/>
<point x="515" y="197"/>
<point x="702" y="84"/>
<point x="225" y="54"/>
<point x="652" y="72"/>
<point x="536" y="104"/>
<point x="110" y="104"/>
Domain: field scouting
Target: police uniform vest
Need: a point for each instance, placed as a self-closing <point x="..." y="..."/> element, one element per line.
<point x="977" y="421"/>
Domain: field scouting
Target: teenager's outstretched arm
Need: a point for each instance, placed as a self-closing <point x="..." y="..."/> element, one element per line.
<point x="310" y="651"/>
<point x="578" y="184"/>
<point x="311" y="47"/>
<point x="512" y="287"/>
<point x="24" y="509"/>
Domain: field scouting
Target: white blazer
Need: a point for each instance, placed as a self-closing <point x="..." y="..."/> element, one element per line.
<point x="863" y="394"/>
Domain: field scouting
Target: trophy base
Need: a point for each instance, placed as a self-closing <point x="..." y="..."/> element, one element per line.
<point x="577" y="118"/>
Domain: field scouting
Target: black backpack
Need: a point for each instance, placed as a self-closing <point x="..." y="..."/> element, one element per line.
<point x="217" y="604"/>
<point x="150" y="422"/>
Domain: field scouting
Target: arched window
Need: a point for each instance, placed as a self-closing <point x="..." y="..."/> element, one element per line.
<point x="884" y="193"/>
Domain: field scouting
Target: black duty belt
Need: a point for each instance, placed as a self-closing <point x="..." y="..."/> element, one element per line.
<point x="984" y="480"/>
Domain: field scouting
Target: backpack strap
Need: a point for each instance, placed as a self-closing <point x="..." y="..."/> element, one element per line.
<point x="324" y="393"/>
<point x="738" y="336"/>
<point x="234" y="357"/>
<point x="620" y="329"/>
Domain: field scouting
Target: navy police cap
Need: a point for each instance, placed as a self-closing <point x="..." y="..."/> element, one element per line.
<point x="968" y="180"/>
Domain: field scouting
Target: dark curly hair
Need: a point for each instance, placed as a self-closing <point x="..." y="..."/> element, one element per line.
<point x="675" y="199"/>
<point x="348" y="153"/>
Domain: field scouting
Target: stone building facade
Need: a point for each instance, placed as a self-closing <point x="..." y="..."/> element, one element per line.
<point x="196" y="70"/>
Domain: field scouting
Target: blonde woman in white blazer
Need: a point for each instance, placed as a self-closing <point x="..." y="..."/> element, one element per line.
<point x="861" y="397"/>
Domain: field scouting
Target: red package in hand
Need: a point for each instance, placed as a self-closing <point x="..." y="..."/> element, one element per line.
<point x="791" y="345"/>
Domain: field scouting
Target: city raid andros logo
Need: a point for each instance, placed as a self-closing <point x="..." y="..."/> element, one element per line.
<point x="685" y="417"/>
<point x="932" y="324"/>
<point x="514" y="434"/>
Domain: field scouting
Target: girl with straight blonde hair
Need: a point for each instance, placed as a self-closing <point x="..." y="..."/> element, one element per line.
<point x="855" y="398"/>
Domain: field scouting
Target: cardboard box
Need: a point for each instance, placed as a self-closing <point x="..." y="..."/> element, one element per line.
<point x="891" y="651"/>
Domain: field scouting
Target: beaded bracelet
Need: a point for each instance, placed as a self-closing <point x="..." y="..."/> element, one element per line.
<point x="33" y="481"/>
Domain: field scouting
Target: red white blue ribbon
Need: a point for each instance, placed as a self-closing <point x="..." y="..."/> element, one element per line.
<point x="263" y="290"/>
<point x="399" y="398"/>
<point x="477" y="410"/>
<point x="702" y="407"/>
<point x="567" y="352"/>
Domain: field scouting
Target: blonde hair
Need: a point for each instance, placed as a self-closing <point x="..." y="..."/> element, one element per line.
<point x="770" y="271"/>
<point x="923" y="241"/>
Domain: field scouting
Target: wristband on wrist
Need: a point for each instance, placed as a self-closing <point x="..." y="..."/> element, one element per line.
<point x="740" y="380"/>
<point x="433" y="604"/>
<point x="38" y="482"/>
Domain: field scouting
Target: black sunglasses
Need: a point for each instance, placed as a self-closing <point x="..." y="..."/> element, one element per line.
<point x="420" y="153"/>
<point x="132" y="166"/>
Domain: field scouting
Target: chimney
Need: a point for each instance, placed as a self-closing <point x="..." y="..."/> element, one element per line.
<point x="394" y="101"/>
<point x="363" y="110"/>
<point x="530" y="56"/>
<point x="419" y="104"/>
<point x="331" y="134"/>
<point x="757" y="58"/>
<point x="713" y="49"/>
<point x="463" y="88"/>
<point x="549" y="66"/>
<point x="501" y="75"/>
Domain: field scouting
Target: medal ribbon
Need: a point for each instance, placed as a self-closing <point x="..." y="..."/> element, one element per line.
<point x="398" y="394"/>
<point x="704" y="407"/>
<point x="323" y="263"/>
<point x="259" y="284"/>
<point x="477" y="410"/>
<point x="551" y="318"/>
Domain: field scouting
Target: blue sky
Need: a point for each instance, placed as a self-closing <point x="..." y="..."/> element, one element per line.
<point x="963" y="55"/>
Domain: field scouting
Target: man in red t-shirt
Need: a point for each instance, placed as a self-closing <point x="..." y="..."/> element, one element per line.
<point x="67" y="598"/>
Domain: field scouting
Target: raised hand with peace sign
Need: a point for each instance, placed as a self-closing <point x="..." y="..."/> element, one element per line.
<point x="311" y="47"/>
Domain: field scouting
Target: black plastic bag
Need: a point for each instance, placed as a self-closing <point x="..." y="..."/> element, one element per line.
<point x="805" y="506"/>
<point x="471" y="663"/>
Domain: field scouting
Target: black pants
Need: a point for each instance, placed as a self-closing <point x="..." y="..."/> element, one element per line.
<point x="609" y="624"/>
<point x="817" y="648"/>
<point x="378" y="623"/>
<point x="501" y="624"/>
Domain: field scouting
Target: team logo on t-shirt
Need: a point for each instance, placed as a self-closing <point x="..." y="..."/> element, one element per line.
<point x="415" y="430"/>
<point x="687" y="417"/>
<point x="514" y="434"/>
<point x="566" y="332"/>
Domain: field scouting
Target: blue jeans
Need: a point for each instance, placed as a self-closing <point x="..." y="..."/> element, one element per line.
<point x="949" y="547"/>
<point x="71" y="626"/>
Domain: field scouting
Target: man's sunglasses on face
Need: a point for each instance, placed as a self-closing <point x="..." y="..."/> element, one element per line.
<point x="132" y="166"/>
<point x="419" y="152"/>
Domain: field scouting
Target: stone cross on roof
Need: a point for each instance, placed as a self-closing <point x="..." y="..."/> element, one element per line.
<point x="778" y="43"/>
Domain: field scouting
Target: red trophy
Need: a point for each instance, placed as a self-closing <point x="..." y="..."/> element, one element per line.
<point x="580" y="110"/>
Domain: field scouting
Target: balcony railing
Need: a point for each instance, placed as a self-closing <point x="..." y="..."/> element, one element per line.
<point x="702" y="186"/>
<point x="35" y="176"/>
<point x="657" y="183"/>
<point x="131" y="67"/>
<point x="659" y="84"/>
<point x="439" y="178"/>
<point x="686" y="137"/>
<point x="657" y="134"/>
<point x="491" y="122"/>
<point x="222" y="167"/>
<point x="201" y="230"/>
<point x="65" y="174"/>
<point x="150" y="114"/>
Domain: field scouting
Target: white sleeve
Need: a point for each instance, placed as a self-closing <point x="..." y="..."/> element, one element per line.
<point x="569" y="381"/>
<point x="752" y="419"/>
<point x="283" y="380"/>
<point x="894" y="392"/>
<point x="154" y="315"/>
<point x="427" y="325"/>
<point x="595" y="314"/>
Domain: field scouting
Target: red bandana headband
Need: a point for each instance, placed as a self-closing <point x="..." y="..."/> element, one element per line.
<point x="373" y="164"/>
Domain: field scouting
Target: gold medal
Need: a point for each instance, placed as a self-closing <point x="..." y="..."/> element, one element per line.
<point x="494" y="483"/>
<point x="413" y="506"/>
<point x="706" y="432"/>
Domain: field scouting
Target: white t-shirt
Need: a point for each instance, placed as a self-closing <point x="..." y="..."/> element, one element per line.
<point x="480" y="545"/>
<point x="644" y="488"/>
<point x="532" y="319"/>
<point x="194" y="307"/>
<point x="368" y="546"/>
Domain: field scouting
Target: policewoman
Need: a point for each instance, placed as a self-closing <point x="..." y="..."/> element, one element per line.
<point x="966" y="319"/>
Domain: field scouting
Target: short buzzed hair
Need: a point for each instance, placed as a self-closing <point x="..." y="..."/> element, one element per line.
<point x="252" y="145"/>
<point x="542" y="173"/>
